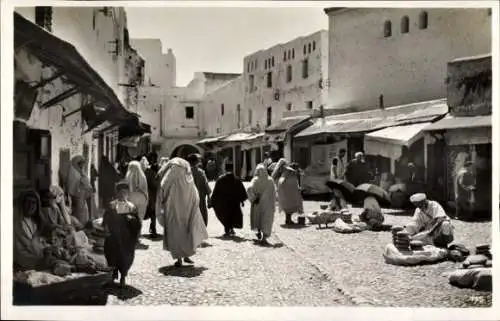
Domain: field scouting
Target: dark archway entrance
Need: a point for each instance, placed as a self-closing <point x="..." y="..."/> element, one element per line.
<point x="184" y="151"/>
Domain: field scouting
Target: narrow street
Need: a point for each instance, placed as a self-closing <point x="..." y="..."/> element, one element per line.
<point x="305" y="267"/>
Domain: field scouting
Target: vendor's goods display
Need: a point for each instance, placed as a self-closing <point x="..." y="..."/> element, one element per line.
<point x="401" y="240"/>
<point x="322" y="218"/>
<point x="416" y="245"/>
<point x="475" y="272"/>
<point x="342" y="227"/>
<point x="429" y="254"/>
<point x="484" y="249"/>
<point x="346" y="216"/>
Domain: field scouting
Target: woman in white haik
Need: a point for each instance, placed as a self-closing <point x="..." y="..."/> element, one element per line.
<point x="138" y="187"/>
<point x="178" y="211"/>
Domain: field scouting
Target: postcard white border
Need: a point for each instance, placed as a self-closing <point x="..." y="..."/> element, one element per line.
<point x="221" y="313"/>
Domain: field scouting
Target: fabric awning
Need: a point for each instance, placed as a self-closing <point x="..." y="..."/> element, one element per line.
<point x="210" y="140"/>
<point x="64" y="57"/>
<point x="326" y="126"/>
<point x="242" y="137"/>
<point x="400" y="135"/>
<point x="285" y="124"/>
<point x="388" y="142"/>
<point x="133" y="127"/>
<point x="451" y="122"/>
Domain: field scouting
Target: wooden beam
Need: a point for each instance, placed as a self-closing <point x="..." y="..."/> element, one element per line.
<point x="63" y="96"/>
<point x="45" y="81"/>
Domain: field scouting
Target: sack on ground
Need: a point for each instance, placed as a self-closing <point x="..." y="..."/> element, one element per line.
<point x="341" y="227"/>
<point x="475" y="260"/>
<point x="478" y="279"/>
<point x="430" y="254"/>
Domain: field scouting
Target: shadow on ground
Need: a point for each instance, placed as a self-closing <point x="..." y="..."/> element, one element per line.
<point x="185" y="271"/>
<point x="237" y="239"/>
<point x="273" y="246"/>
<point x="205" y="244"/>
<point x="294" y="227"/>
<point x="156" y="238"/>
<point x="126" y="293"/>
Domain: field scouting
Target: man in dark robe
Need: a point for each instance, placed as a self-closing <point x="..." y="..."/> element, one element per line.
<point x="227" y="199"/>
<point x="150" y="173"/>
<point x="357" y="171"/>
<point x="108" y="177"/>
<point x="201" y="182"/>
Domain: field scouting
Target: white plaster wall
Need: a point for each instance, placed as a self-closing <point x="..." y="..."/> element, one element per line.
<point x="160" y="68"/>
<point x="404" y="67"/>
<point x="89" y="31"/>
<point x="298" y="91"/>
<point x="149" y="107"/>
<point x="213" y="123"/>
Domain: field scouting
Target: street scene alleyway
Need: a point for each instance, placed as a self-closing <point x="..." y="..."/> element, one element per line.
<point x="304" y="267"/>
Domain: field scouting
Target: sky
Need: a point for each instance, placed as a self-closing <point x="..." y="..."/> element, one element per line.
<point x="217" y="39"/>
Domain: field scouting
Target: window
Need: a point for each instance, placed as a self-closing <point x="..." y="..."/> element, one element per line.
<point x="272" y="61"/>
<point x="309" y="104"/>
<point x="250" y="117"/>
<point x="289" y="73"/>
<point x="293" y="53"/>
<point x="289" y="54"/>
<point x="265" y="64"/>
<point x="238" y="115"/>
<point x="305" y="49"/>
<point x="284" y="56"/>
<point x="289" y="106"/>
<point x="405" y="24"/>
<point x="256" y="64"/>
<point x="314" y="45"/>
<point x="423" y="20"/>
<point x="387" y="29"/>
<point x="309" y="48"/>
<point x="250" y="83"/>
<point x="248" y="67"/>
<point x="189" y="112"/>
<point x="269" y="116"/>
<point x="222" y="109"/>
<point x="305" y="68"/>
<point x="269" y="79"/>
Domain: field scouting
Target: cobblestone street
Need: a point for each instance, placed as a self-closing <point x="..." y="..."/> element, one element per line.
<point x="305" y="267"/>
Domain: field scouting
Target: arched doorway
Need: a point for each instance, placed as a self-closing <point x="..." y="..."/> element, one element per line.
<point x="184" y="151"/>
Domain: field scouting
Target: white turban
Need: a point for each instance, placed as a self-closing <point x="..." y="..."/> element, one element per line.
<point x="419" y="197"/>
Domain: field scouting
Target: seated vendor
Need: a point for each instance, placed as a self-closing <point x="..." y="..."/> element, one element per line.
<point x="28" y="243"/>
<point x="430" y="224"/>
<point x="372" y="213"/>
<point x="51" y="216"/>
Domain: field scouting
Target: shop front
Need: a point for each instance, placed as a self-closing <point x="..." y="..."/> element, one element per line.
<point x="465" y="135"/>
<point x="450" y="143"/>
<point x="60" y="102"/>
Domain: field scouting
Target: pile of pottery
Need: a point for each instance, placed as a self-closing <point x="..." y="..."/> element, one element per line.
<point x="346" y="216"/>
<point x="400" y="238"/>
<point x="484" y="249"/>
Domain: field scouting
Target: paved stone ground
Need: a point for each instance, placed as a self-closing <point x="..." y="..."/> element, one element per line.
<point x="305" y="267"/>
<point x="231" y="272"/>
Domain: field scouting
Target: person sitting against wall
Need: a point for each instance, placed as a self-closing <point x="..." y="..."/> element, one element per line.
<point x="28" y="242"/>
<point x="430" y="224"/>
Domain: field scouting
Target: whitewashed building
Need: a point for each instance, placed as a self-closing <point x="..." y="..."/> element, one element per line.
<point x="399" y="55"/>
<point x="286" y="77"/>
<point x="75" y="79"/>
